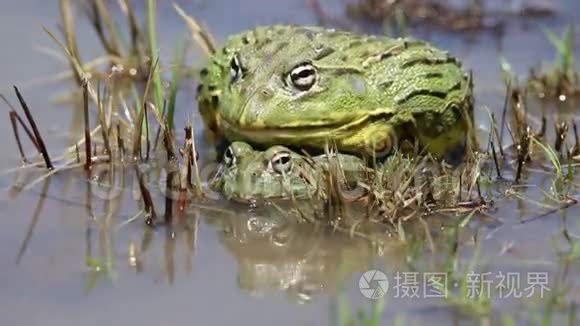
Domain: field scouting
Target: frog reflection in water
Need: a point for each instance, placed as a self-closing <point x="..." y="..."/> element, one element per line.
<point x="247" y="174"/>
<point x="277" y="254"/>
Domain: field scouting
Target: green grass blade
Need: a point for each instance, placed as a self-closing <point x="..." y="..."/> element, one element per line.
<point x="152" y="24"/>
<point x="175" y="80"/>
<point x="565" y="47"/>
<point x="568" y="54"/>
<point x="343" y="310"/>
<point x="552" y="156"/>
<point x="377" y="313"/>
<point x="555" y="40"/>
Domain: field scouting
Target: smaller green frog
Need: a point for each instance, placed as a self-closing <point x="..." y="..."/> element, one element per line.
<point x="248" y="175"/>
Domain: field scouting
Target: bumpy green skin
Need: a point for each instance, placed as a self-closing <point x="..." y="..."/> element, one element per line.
<point x="248" y="175"/>
<point x="370" y="92"/>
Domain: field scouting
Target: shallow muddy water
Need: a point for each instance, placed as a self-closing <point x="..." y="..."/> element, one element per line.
<point x="232" y="265"/>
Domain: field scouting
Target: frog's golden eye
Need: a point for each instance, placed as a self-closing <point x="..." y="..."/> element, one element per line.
<point x="303" y="76"/>
<point x="229" y="157"/>
<point x="281" y="162"/>
<point x="382" y="148"/>
<point x="236" y="70"/>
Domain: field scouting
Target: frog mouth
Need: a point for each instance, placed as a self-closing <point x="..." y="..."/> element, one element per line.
<point x="312" y="131"/>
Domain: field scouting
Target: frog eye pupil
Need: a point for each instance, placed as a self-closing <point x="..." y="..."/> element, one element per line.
<point x="282" y="162"/>
<point x="229" y="157"/>
<point x="303" y="77"/>
<point x="235" y="69"/>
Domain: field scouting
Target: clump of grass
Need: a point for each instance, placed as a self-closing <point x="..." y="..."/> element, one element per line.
<point x="525" y="139"/>
<point x="127" y="98"/>
<point x="402" y="189"/>
<point x="561" y="81"/>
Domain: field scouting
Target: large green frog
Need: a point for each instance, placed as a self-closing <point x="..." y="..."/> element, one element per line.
<point x="306" y="86"/>
<point x="248" y="175"/>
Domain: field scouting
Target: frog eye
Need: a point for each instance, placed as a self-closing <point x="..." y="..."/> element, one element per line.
<point x="229" y="157"/>
<point x="303" y="76"/>
<point x="236" y="70"/>
<point x="281" y="162"/>
<point x="383" y="147"/>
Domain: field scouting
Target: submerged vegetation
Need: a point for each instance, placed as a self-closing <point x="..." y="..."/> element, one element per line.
<point x="128" y="107"/>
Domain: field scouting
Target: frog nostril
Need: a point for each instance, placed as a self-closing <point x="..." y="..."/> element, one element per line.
<point x="266" y="93"/>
